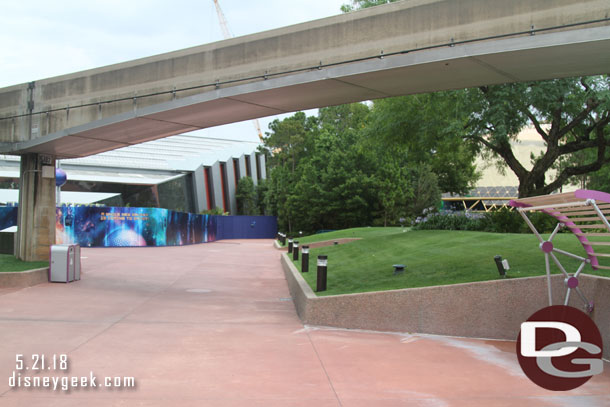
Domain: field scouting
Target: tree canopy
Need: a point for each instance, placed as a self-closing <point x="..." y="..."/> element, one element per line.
<point x="359" y="4"/>
<point x="348" y="166"/>
<point x="570" y="115"/>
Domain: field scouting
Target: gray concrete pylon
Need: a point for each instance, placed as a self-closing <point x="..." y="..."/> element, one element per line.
<point x="36" y="216"/>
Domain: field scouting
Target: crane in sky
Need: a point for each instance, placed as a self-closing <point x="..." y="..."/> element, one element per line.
<point x="224" y="26"/>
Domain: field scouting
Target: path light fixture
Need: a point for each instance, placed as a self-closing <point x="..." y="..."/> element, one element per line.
<point x="289" y="246"/>
<point x="295" y="250"/>
<point x="305" y="259"/>
<point x="502" y="265"/>
<point x="321" y="278"/>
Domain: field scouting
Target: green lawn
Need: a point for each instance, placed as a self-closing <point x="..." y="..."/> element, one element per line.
<point x="432" y="258"/>
<point x="9" y="262"/>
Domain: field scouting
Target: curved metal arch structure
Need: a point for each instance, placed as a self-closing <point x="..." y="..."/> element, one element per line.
<point x="582" y="212"/>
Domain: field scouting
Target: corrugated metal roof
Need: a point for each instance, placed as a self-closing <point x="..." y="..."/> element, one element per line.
<point x="183" y="152"/>
<point x="170" y="154"/>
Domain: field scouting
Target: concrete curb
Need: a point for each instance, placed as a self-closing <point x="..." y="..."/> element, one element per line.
<point x="323" y="243"/>
<point x="489" y="309"/>
<point x="20" y="279"/>
<point x="302" y="294"/>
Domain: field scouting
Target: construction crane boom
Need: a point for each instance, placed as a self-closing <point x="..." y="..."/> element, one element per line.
<point x="224" y="26"/>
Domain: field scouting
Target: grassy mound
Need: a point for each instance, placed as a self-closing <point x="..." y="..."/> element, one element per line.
<point x="9" y="263"/>
<point x="432" y="258"/>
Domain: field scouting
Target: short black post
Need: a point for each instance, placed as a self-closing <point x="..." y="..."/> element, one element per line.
<point x="321" y="280"/>
<point x="498" y="260"/>
<point x="305" y="259"/>
<point x="295" y="250"/>
<point x="289" y="246"/>
<point x="283" y="239"/>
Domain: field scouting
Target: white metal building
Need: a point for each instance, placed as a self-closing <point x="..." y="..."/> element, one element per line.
<point x="189" y="173"/>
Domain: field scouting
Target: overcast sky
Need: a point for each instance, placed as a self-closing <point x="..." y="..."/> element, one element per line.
<point x="42" y="38"/>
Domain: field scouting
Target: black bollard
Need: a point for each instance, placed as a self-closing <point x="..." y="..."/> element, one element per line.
<point x="283" y="239"/>
<point x="295" y="250"/>
<point x="289" y="246"/>
<point x="305" y="259"/>
<point x="321" y="280"/>
<point x="498" y="260"/>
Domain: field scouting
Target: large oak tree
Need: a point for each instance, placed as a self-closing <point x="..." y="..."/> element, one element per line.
<point x="570" y="115"/>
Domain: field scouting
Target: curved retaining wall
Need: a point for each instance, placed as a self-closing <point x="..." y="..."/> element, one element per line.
<point x="489" y="309"/>
<point x="20" y="279"/>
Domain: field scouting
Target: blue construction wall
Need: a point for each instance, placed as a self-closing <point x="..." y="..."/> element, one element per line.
<point x="246" y="227"/>
<point x="91" y="226"/>
<point x="8" y="216"/>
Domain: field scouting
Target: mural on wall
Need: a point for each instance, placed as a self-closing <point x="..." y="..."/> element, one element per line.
<point x="91" y="226"/>
<point x="116" y="226"/>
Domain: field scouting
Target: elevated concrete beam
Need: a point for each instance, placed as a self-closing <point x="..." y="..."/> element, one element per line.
<point x="276" y="71"/>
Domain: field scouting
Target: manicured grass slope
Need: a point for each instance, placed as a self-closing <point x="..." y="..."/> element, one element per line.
<point x="11" y="263"/>
<point x="432" y="258"/>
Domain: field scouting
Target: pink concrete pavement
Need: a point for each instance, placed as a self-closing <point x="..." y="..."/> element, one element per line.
<point x="212" y="325"/>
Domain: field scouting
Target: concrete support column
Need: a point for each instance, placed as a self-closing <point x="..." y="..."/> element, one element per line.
<point x="36" y="219"/>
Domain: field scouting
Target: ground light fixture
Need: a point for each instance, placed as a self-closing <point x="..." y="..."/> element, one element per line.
<point x="289" y="246"/>
<point x="295" y="250"/>
<point x="322" y="271"/>
<point x="305" y="259"/>
<point x="398" y="269"/>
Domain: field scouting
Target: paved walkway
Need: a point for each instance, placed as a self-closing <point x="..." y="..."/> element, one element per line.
<point x="212" y="325"/>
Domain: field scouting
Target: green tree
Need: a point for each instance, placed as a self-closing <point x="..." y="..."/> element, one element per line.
<point x="431" y="129"/>
<point x="322" y="178"/>
<point x="261" y="197"/>
<point x="570" y="115"/>
<point x="245" y="195"/>
<point x="353" y="166"/>
<point x="394" y="191"/>
<point x="289" y="139"/>
<point x="360" y="4"/>
<point x="598" y="180"/>
<point x="426" y="193"/>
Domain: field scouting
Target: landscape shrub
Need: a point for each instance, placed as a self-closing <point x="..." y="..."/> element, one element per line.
<point x="448" y="220"/>
<point x="501" y="221"/>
